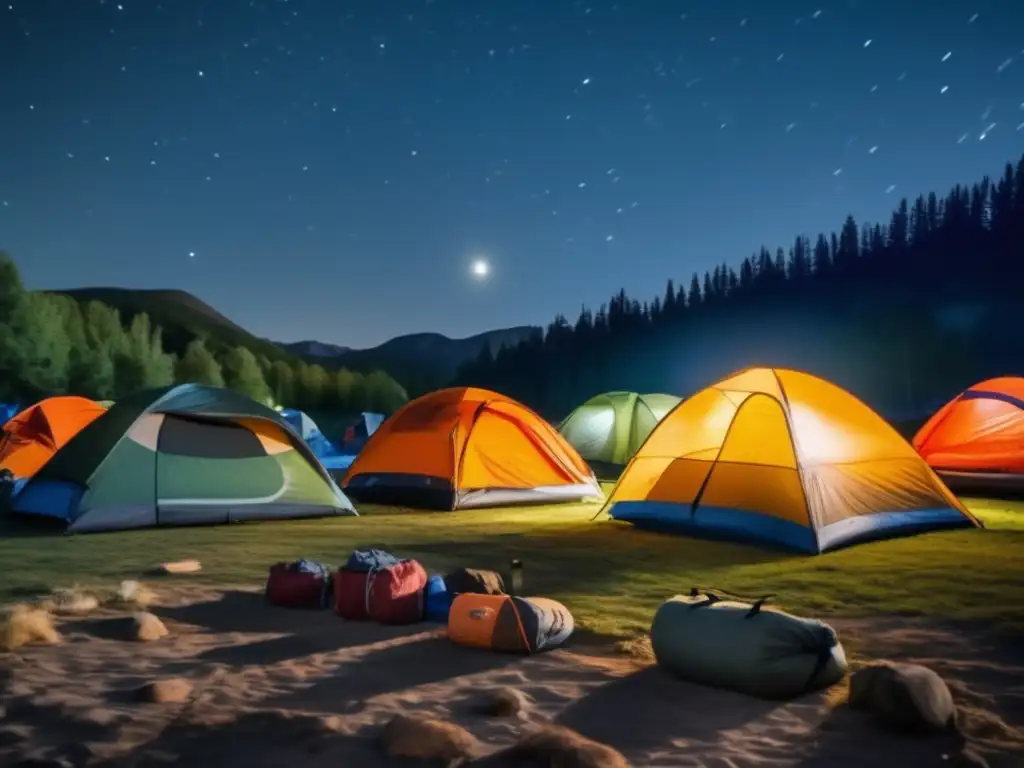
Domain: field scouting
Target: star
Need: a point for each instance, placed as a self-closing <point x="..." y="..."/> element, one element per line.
<point x="191" y="254"/>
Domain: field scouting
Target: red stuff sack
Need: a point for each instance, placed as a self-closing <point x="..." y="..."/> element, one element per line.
<point x="350" y="588"/>
<point x="395" y="595"/>
<point x="290" y="585"/>
<point x="389" y="595"/>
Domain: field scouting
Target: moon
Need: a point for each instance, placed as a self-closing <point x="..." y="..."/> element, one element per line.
<point x="480" y="269"/>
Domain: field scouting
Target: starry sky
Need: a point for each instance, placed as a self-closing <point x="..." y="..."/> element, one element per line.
<point x="331" y="169"/>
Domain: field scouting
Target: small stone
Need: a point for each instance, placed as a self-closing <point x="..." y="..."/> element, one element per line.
<point x="423" y="738"/>
<point x="557" y="745"/>
<point x="173" y="690"/>
<point x="504" y="702"/>
<point x="147" y="627"/>
<point x="180" y="566"/>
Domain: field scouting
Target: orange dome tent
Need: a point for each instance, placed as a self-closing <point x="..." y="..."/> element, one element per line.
<point x="783" y="458"/>
<point x="976" y="441"/>
<point x="463" y="447"/>
<point x="30" y="438"/>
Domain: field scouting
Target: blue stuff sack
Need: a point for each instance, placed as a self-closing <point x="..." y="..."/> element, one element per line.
<point x="437" y="600"/>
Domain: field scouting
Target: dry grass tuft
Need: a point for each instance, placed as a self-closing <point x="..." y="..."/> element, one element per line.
<point x="25" y="624"/>
<point x="70" y="601"/>
<point x="133" y="594"/>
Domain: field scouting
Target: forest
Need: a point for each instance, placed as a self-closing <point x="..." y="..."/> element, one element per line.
<point x="52" y="344"/>
<point x="903" y="313"/>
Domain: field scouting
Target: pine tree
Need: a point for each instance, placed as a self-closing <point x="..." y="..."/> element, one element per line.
<point x="198" y="366"/>
<point x="242" y="374"/>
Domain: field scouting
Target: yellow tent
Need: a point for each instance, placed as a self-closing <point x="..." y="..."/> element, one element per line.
<point x="780" y="457"/>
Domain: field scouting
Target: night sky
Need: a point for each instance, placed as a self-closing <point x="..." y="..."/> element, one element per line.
<point x="330" y="169"/>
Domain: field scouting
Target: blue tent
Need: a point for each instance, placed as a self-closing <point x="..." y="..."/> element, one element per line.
<point x="8" y="412"/>
<point x="359" y="431"/>
<point x="310" y="432"/>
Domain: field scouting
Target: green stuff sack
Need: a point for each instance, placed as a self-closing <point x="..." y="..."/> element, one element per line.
<point x="745" y="647"/>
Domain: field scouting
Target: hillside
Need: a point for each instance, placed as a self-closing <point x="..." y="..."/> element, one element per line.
<point x="182" y="316"/>
<point x="420" y="361"/>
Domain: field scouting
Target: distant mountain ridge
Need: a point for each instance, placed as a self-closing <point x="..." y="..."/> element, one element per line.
<point x="419" y="361"/>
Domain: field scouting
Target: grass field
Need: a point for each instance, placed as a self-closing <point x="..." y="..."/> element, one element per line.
<point x="610" y="575"/>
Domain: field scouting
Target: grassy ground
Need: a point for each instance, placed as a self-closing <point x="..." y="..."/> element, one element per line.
<point x="610" y="575"/>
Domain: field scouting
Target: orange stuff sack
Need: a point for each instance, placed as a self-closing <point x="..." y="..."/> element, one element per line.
<point x="508" y="624"/>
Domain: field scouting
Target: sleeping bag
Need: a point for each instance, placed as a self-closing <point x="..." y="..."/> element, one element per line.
<point x="746" y="648"/>
<point x="303" y="584"/>
<point x="475" y="580"/>
<point x="437" y="600"/>
<point x="508" y="624"/>
<point x="391" y="595"/>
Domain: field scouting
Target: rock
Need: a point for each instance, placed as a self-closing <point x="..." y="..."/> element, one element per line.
<point x="903" y="697"/>
<point x="504" y="702"/>
<point x="180" y="566"/>
<point x="968" y="758"/>
<point x="146" y="627"/>
<point x="555" y="745"/>
<point x="173" y="690"/>
<point x="427" y="739"/>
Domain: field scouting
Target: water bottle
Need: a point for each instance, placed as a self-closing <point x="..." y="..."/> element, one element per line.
<point x="517" y="578"/>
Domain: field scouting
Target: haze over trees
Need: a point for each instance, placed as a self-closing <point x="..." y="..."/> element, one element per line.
<point x="53" y="344"/>
<point x="903" y="314"/>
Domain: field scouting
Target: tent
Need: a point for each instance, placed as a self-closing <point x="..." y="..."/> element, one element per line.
<point x="359" y="431"/>
<point x="464" y="447"/>
<point x="307" y="429"/>
<point x="7" y="412"/>
<point x="177" y="456"/>
<point x="782" y="458"/>
<point x="976" y="441"/>
<point x="608" y="429"/>
<point x="32" y="437"/>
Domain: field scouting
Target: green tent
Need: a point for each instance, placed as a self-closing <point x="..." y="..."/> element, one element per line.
<point x="184" y="455"/>
<point x="609" y="428"/>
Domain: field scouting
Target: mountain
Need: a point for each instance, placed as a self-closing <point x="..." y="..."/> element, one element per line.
<point x="315" y="349"/>
<point x="419" y="361"/>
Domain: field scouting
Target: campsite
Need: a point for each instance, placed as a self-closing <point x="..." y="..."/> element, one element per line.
<point x="463" y="497"/>
<point x="446" y="384"/>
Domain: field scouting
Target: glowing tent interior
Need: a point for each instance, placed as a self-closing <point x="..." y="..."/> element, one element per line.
<point x="782" y="458"/>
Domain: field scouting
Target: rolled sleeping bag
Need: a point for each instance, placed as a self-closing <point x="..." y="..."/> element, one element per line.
<point x="508" y="624"/>
<point x="437" y="601"/>
<point x="745" y="647"/>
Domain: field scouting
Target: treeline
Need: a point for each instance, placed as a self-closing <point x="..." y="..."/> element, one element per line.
<point x="868" y="306"/>
<point x="51" y="344"/>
